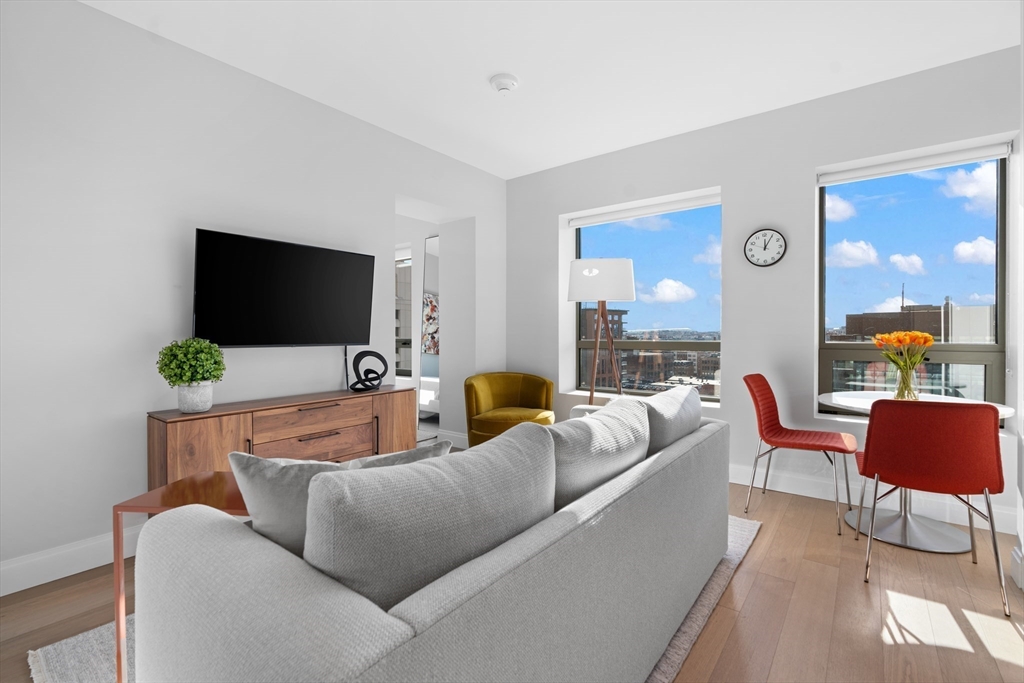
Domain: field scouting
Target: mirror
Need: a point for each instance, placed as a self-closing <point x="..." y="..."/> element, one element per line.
<point x="430" y="337"/>
<point x="403" y="313"/>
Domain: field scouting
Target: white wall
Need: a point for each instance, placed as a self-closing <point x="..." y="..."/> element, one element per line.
<point x="116" y="145"/>
<point x="766" y="167"/>
<point x="461" y="350"/>
<point x="1015" y="298"/>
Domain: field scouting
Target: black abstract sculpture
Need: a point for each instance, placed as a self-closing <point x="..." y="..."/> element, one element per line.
<point x="370" y="379"/>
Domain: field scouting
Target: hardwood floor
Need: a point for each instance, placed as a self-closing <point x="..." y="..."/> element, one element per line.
<point x="797" y="609"/>
<point x="54" y="611"/>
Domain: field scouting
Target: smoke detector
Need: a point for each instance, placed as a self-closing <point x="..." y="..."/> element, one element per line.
<point x="504" y="83"/>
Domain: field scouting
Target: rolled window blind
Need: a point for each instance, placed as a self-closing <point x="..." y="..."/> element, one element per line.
<point x="648" y="210"/>
<point x="953" y="158"/>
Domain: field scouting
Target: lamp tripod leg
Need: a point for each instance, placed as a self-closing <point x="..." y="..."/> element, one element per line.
<point x="597" y="348"/>
<point x="612" y="358"/>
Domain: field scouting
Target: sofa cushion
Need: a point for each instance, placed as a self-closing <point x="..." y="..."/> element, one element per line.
<point x="500" y="419"/>
<point x="672" y="415"/>
<point x="275" y="489"/>
<point x="385" y="533"/>
<point x="593" y="449"/>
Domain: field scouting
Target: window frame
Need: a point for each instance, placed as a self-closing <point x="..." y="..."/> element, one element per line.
<point x="586" y="343"/>
<point x="992" y="356"/>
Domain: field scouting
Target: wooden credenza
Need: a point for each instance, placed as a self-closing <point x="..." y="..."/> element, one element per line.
<point x="330" y="425"/>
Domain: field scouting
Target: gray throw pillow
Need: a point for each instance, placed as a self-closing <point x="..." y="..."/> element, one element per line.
<point x="385" y="533"/>
<point x="672" y="415"/>
<point x="593" y="449"/>
<point x="275" y="490"/>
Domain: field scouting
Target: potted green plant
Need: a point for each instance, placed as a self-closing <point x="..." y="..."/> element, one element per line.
<point x="192" y="365"/>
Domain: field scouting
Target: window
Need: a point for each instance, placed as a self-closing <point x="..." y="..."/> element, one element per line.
<point x="671" y="335"/>
<point x="916" y="250"/>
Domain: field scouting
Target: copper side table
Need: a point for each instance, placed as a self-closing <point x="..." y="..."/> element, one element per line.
<point x="215" y="489"/>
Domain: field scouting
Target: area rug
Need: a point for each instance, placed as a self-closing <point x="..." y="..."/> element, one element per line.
<point x="89" y="657"/>
<point x="741" y="537"/>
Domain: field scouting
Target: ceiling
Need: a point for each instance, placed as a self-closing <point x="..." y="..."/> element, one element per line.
<point x="594" y="76"/>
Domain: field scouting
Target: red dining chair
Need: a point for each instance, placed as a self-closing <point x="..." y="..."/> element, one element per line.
<point x="936" y="447"/>
<point x="776" y="436"/>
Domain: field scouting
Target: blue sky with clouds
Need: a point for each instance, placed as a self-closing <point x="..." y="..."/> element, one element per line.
<point x="933" y="231"/>
<point x="677" y="264"/>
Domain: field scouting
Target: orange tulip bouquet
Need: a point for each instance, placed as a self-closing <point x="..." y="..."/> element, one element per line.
<point x="906" y="351"/>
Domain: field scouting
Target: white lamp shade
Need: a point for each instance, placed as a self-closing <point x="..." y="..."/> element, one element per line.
<point x="601" y="279"/>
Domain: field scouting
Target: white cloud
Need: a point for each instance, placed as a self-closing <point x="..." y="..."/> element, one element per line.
<point x="978" y="187"/>
<point x="928" y="175"/>
<point x="911" y="265"/>
<point x="668" y="291"/>
<point x="838" y="209"/>
<point x="848" y="254"/>
<point x="649" y="223"/>
<point x="717" y="299"/>
<point x="711" y="254"/>
<point x="891" y="305"/>
<point x="981" y="250"/>
<point x="982" y="298"/>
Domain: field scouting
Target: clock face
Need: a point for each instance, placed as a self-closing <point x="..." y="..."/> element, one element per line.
<point x="765" y="247"/>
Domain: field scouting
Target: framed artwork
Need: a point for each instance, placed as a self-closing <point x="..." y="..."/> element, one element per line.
<point x="430" y="342"/>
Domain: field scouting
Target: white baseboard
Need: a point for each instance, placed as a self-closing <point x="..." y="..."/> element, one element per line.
<point x="936" y="506"/>
<point x="1017" y="566"/>
<point x="458" y="439"/>
<point x="23" y="572"/>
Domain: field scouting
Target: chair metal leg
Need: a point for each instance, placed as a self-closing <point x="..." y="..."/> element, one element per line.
<point x="995" y="549"/>
<point x="764" y="484"/>
<point x="970" y="523"/>
<point x="835" y="483"/>
<point x="846" y="471"/>
<point x="753" y="473"/>
<point x="860" y="510"/>
<point x="871" y="532"/>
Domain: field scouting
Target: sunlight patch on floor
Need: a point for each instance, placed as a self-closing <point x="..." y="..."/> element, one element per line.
<point x="916" y="621"/>
<point x="1000" y="637"/>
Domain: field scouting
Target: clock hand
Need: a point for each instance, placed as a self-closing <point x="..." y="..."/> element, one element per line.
<point x="766" y="245"/>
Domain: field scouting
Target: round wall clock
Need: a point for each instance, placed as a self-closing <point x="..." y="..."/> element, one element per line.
<point x="765" y="247"/>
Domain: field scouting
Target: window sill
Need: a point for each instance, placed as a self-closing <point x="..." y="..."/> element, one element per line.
<point x="842" y="419"/>
<point x="714" y="405"/>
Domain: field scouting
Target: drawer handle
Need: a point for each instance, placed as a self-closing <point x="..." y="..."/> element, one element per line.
<point x="332" y="405"/>
<point x="319" y="436"/>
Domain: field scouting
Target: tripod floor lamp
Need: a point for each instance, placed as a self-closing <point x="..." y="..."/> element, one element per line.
<point x="602" y="280"/>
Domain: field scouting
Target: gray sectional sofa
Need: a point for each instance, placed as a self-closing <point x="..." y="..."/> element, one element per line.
<point x="570" y="552"/>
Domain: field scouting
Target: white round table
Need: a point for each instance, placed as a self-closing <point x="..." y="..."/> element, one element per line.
<point x="902" y="527"/>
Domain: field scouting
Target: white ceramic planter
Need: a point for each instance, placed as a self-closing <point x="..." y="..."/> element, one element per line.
<point x="195" y="398"/>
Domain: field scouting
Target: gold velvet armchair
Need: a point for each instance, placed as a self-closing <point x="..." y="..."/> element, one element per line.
<point x="498" y="401"/>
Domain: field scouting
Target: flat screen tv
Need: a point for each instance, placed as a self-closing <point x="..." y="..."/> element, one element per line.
<point x="258" y="292"/>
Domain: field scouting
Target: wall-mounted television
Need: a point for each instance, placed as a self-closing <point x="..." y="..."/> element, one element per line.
<point x="258" y="292"/>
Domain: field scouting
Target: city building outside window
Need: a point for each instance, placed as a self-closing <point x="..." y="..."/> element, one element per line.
<point x="671" y="335"/>
<point x="918" y="250"/>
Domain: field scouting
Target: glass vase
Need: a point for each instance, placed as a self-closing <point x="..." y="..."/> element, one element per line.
<point x="906" y="384"/>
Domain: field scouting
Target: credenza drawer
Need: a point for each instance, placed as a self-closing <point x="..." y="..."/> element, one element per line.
<point x="286" y="423"/>
<point x="334" y="444"/>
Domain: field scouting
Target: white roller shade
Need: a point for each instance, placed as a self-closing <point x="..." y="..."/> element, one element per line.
<point x="953" y="158"/>
<point x="629" y="213"/>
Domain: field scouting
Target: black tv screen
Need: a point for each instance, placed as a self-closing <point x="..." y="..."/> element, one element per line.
<point x="257" y="292"/>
